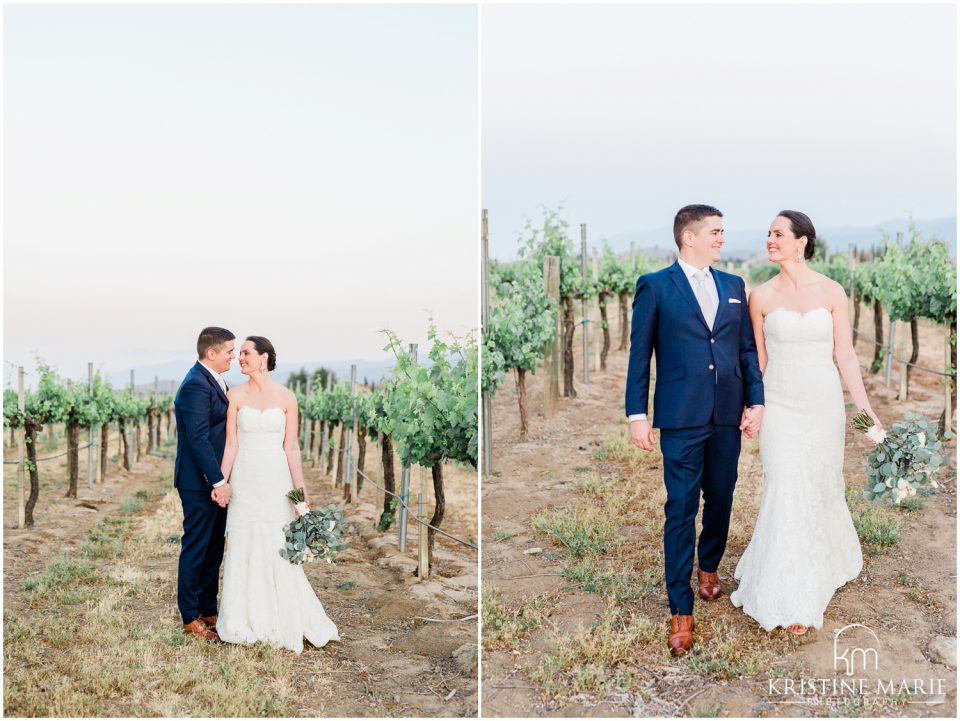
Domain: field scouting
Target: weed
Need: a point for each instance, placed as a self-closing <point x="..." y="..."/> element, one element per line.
<point x="729" y="653"/>
<point x="60" y="574"/>
<point x="876" y="527"/>
<point x="583" y="530"/>
<point x="131" y="505"/>
<point x="595" y="659"/>
<point x="620" y="587"/>
<point x="106" y="538"/>
<point x="505" y="628"/>
<point x="705" y="711"/>
<point x="593" y="486"/>
<point x="912" y="503"/>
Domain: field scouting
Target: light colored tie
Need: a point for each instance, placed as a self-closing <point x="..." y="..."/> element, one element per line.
<point x="704" y="296"/>
<point x="223" y="384"/>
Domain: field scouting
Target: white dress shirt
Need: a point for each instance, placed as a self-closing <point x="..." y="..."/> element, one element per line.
<point x="690" y="271"/>
<point x="223" y="386"/>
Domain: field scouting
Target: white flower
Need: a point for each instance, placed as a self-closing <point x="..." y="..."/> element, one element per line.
<point x="302" y="508"/>
<point x="934" y="484"/>
<point x="876" y="435"/>
<point x="329" y="560"/>
<point x="922" y="439"/>
<point x="912" y="491"/>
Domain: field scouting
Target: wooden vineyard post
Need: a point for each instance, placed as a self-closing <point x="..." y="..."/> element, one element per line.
<point x="888" y="361"/>
<point x="156" y="426"/>
<point x="323" y="429"/>
<point x="405" y="485"/>
<point x="902" y="394"/>
<point x="350" y="479"/>
<point x="91" y="471"/>
<point x="551" y="352"/>
<point x="335" y="454"/>
<point x="947" y="395"/>
<point x="888" y="367"/>
<point x="423" y="549"/>
<point x="486" y="439"/>
<point x="307" y="423"/>
<point x="584" y="303"/>
<point x="131" y="435"/>
<point x="22" y="452"/>
<point x="596" y="329"/>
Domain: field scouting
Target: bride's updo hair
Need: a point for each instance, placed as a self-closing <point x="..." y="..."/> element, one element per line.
<point x="801" y="225"/>
<point x="264" y="346"/>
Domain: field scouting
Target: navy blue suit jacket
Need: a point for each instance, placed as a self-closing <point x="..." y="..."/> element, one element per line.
<point x="201" y="411"/>
<point x="703" y="375"/>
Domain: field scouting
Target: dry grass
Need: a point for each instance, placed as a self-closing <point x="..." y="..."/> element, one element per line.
<point x="598" y="659"/>
<point x="877" y="526"/>
<point x="95" y="635"/>
<point x="728" y="650"/>
<point x="506" y="628"/>
<point x="583" y="530"/>
<point x="613" y="546"/>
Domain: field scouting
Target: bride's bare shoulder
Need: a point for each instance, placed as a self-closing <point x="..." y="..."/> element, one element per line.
<point x="287" y="396"/>
<point x="237" y="392"/>
<point x="760" y="293"/>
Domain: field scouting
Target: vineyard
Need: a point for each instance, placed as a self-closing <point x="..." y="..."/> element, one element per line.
<point x="92" y="551"/>
<point x="530" y="315"/>
<point x="574" y="610"/>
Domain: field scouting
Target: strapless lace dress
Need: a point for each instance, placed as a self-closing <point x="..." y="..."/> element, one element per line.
<point x="804" y="546"/>
<point x="265" y="598"/>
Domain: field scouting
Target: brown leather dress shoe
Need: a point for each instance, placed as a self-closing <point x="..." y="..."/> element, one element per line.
<point x="210" y="621"/>
<point x="708" y="587"/>
<point x="681" y="634"/>
<point x="199" y="628"/>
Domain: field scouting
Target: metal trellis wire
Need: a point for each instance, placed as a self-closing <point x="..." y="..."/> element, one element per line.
<point x="413" y="515"/>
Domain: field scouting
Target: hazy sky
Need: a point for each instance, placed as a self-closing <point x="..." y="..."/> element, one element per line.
<point x="308" y="173"/>
<point x="847" y="112"/>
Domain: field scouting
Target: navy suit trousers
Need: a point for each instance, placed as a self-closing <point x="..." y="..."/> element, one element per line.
<point x="701" y="460"/>
<point x="201" y="552"/>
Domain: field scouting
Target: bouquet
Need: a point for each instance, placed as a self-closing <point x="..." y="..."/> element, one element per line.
<point x="904" y="460"/>
<point x="314" y="534"/>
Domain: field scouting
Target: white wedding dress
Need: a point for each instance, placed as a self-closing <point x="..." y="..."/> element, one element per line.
<point x="804" y="545"/>
<point x="265" y="598"/>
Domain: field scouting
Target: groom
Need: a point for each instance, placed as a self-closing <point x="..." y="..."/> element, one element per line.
<point x="708" y="389"/>
<point x="201" y="411"/>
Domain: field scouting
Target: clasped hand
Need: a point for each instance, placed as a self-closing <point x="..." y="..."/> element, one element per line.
<point x="750" y="421"/>
<point x="221" y="495"/>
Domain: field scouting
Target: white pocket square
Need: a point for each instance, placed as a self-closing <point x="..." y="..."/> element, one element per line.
<point x="733" y="300"/>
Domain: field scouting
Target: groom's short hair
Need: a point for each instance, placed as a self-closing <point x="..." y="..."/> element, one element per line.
<point x="689" y="214"/>
<point x="212" y="337"/>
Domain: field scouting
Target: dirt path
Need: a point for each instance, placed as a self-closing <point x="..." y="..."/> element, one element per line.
<point x="579" y="628"/>
<point x="91" y="626"/>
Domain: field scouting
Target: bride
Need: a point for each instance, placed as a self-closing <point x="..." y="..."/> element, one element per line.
<point x="804" y="545"/>
<point x="265" y="598"/>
